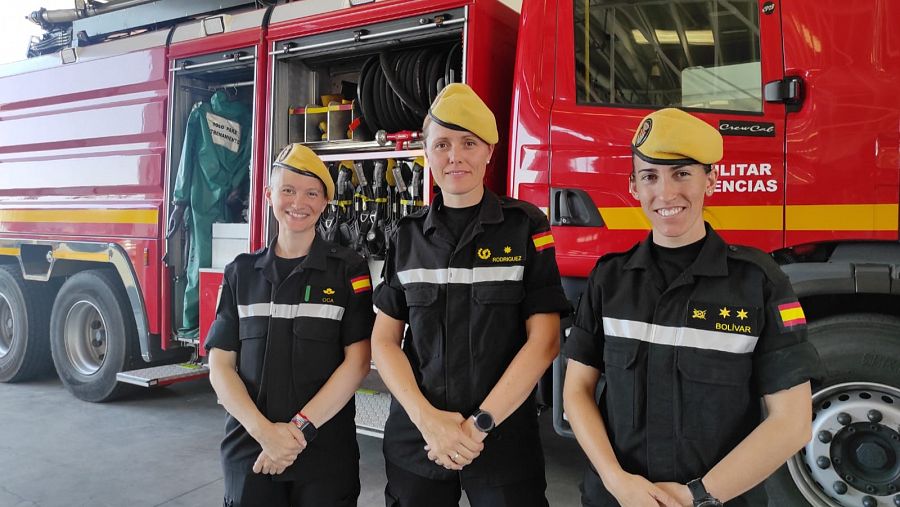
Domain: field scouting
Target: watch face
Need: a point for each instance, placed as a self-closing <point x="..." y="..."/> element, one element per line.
<point x="709" y="503"/>
<point x="484" y="422"/>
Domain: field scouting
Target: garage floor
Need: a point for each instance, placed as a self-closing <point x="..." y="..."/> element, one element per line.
<point x="160" y="448"/>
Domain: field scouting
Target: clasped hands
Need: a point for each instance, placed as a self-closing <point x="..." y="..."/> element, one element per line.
<point x="281" y="444"/>
<point x="452" y="441"/>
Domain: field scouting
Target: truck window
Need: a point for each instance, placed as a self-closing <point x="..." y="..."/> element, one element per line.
<point x="700" y="54"/>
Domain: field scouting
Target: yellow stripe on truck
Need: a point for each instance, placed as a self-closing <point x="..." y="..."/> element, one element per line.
<point x="85" y="216"/>
<point x="843" y="217"/>
<point x="824" y="217"/>
<point x="765" y="218"/>
<point x="81" y="256"/>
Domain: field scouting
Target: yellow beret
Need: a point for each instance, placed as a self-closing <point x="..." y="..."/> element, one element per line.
<point x="299" y="159"/>
<point x="457" y="107"/>
<point x="671" y="136"/>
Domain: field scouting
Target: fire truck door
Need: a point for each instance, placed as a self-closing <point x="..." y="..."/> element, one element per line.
<point x="616" y="63"/>
<point x="842" y="144"/>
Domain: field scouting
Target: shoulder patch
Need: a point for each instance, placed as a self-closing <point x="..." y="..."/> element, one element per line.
<point x="543" y="241"/>
<point x="361" y="284"/>
<point x="789" y="315"/>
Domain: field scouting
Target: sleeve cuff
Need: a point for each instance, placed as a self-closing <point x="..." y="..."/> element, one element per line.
<point x="391" y="301"/>
<point x="546" y="300"/>
<point x="219" y="337"/>
<point x="787" y="367"/>
<point x="581" y="346"/>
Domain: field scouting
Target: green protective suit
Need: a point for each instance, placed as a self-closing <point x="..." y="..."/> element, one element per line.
<point x="215" y="160"/>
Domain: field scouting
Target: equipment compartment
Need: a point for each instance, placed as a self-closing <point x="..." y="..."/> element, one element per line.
<point x="358" y="98"/>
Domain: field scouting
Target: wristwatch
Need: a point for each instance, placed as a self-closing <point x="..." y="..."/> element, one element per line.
<point x="702" y="498"/>
<point x="305" y="426"/>
<point x="484" y="421"/>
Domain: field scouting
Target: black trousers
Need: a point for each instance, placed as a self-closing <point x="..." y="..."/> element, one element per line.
<point x="248" y="489"/>
<point x="406" y="489"/>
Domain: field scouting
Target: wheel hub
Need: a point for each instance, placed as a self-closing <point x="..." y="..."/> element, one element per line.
<point x="85" y="338"/>
<point x="865" y="455"/>
<point x="8" y="328"/>
<point x="854" y="456"/>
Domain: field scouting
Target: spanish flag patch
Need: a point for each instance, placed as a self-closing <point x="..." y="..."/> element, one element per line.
<point x="361" y="284"/>
<point x="791" y="315"/>
<point x="543" y="241"/>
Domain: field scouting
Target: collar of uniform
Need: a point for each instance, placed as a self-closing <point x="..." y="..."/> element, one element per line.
<point x="711" y="261"/>
<point x="489" y="213"/>
<point x="315" y="259"/>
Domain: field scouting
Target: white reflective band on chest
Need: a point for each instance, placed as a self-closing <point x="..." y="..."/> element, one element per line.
<point x="462" y="275"/>
<point x="679" y="336"/>
<point x="291" y="311"/>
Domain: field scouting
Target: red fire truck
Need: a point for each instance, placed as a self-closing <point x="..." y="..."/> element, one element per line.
<point x="92" y="130"/>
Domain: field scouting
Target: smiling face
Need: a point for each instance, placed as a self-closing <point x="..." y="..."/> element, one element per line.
<point x="672" y="198"/>
<point x="458" y="160"/>
<point x="296" y="200"/>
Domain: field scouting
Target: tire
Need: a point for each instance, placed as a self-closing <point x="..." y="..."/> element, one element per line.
<point x="24" y="347"/>
<point x="92" y="333"/>
<point x="859" y="354"/>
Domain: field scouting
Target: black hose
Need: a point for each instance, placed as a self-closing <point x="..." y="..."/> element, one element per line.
<point x="396" y="88"/>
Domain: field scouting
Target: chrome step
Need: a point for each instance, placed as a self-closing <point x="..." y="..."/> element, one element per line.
<point x="372" y="409"/>
<point x="163" y="375"/>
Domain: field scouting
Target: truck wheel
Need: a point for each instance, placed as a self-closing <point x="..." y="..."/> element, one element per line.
<point x="91" y="332"/>
<point x="853" y="458"/>
<point x="24" y="347"/>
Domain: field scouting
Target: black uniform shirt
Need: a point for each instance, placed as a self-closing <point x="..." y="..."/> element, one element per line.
<point x="290" y="337"/>
<point x="466" y="303"/>
<point x="685" y="365"/>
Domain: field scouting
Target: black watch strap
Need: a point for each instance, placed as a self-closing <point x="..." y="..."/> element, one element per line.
<point x="701" y="497"/>
<point x="305" y="426"/>
<point x="309" y="431"/>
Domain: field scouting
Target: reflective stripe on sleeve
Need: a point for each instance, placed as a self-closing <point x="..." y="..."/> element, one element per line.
<point x="278" y="311"/>
<point x="462" y="275"/>
<point x="679" y="336"/>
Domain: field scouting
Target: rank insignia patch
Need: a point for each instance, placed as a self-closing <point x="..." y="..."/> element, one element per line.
<point x="723" y="317"/>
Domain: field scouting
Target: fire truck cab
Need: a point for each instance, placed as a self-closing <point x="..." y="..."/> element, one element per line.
<point x="92" y="135"/>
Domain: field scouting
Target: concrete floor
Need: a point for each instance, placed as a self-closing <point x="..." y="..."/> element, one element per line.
<point x="160" y="448"/>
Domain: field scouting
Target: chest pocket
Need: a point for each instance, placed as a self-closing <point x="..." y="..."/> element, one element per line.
<point x="624" y="383"/>
<point x="425" y="315"/>
<point x="421" y="295"/>
<point x="317" y="350"/>
<point x="496" y="323"/>
<point x="498" y="294"/>
<point x="252" y="333"/>
<point x="715" y="392"/>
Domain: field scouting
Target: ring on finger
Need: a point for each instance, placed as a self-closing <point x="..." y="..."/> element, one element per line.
<point x="456" y="456"/>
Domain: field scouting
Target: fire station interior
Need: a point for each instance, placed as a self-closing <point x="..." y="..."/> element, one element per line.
<point x="228" y="76"/>
<point x="359" y="103"/>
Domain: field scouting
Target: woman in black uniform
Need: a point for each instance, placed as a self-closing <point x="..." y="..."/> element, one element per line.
<point x="287" y="351"/>
<point x="690" y="332"/>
